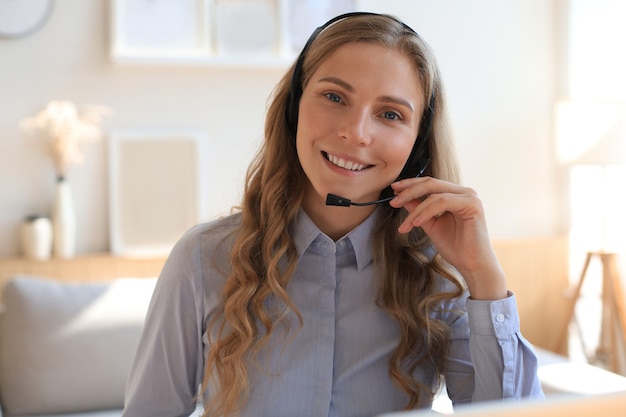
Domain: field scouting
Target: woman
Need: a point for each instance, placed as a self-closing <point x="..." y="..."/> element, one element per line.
<point x="293" y="307"/>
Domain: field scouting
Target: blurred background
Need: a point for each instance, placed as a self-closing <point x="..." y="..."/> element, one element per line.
<point x="505" y="64"/>
<point x="535" y="88"/>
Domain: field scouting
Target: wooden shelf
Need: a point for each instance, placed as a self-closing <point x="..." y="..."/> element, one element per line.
<point x="84" y="268"/>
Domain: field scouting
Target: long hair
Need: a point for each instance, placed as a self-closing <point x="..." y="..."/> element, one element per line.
<point x="263" y="257"/>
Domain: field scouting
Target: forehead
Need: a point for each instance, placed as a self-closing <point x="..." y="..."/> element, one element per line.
<point x="373" y="67"/>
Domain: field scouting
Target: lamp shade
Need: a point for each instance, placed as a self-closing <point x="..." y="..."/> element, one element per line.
<point x="591" y="133"/>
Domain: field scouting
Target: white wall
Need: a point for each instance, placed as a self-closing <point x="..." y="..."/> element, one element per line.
<point x="497" y="58"/>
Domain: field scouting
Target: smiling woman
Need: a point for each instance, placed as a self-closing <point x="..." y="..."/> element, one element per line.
<point x="293" y="307"/>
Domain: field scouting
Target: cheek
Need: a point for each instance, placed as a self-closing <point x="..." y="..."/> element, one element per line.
<point x="312" y="121"/>
<point x="396" y="152"/>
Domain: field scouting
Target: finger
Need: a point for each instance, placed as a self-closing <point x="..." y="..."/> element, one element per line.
<point x="463" y="206"/>
<point x="420" y="188"/>
<point x="430" y="209"/>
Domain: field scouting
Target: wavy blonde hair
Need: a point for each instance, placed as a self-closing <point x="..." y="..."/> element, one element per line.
<point x="263" y="257"/>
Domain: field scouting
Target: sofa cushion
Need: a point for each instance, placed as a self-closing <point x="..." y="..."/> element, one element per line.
<point x="99" y="413"/>
<point x="67" y="347"/>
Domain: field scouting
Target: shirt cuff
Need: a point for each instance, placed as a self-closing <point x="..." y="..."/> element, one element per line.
<point x="494" y="318"/>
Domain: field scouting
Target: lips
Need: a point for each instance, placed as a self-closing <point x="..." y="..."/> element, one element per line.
<point x="345" y="164"/>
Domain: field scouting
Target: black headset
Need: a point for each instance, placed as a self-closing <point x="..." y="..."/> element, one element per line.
<point x="418" y="159"/>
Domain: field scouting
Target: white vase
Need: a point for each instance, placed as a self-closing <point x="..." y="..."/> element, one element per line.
<point x="63" y="221"/>
<point x="36" y="237"/>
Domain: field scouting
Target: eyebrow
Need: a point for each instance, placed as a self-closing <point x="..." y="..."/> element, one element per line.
<point x="385" y="99"/>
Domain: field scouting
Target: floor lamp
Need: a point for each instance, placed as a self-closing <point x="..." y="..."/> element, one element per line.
<point x="610" y="349"/>
<point x="594" y="134"/>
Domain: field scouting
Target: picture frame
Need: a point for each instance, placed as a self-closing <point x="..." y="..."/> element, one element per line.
<point x="246" y="28"/>
<point x="159" y="29"/>
<point x="155" y="182"/>
<point x="223" y="33"/>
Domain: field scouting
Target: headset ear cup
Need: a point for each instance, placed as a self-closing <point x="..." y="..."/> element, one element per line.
<point x="419" y="158"/>
<point x="295" y="90"/>
<point x="289" y="115"/>
<point x="293" y="98"/>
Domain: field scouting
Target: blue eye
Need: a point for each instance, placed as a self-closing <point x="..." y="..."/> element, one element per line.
<point x="333" y="97"/>
<point x="391" y="115"/>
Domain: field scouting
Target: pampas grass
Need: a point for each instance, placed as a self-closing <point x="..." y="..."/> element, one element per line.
<point x="66" y="130"/>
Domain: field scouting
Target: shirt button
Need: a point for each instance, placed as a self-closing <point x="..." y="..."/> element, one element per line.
<point x="500" y="318"/>
<point x="341" y="243"/>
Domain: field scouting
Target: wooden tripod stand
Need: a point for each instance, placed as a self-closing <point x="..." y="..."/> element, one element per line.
<point x="613" y="330"/>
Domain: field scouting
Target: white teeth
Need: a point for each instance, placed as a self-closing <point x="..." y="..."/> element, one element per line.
<point x="349" y="165"/>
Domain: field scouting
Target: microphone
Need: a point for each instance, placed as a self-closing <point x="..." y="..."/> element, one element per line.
<point x="335" y="200"/>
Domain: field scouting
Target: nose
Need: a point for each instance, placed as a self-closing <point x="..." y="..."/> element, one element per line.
<point x="354" y="128"/>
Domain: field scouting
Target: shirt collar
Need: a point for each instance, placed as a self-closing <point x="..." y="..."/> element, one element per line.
<point x="304" y="232"/>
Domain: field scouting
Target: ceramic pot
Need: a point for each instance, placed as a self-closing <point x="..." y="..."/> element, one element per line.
<point x="36" y="237"/>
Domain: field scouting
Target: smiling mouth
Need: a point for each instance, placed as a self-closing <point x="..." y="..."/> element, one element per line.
<point x="342" y="163"/>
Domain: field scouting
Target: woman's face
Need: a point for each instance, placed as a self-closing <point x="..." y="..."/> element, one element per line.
<point x="358" y="120"/>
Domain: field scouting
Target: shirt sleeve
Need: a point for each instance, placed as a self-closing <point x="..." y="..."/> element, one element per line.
<point x="489" y="359"/>
<point x="167" y="367"/>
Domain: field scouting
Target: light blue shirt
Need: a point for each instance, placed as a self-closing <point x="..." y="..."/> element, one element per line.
<point x="336" y="365"/>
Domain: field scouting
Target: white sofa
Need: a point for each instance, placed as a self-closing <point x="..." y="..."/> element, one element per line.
<point x="65" y="350"/>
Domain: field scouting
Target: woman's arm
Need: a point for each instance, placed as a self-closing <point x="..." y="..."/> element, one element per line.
<point x="168" y="364"/>
<point x="489" y="359"/>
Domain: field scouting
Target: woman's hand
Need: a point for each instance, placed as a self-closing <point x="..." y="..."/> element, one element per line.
<point x="453" y="217"/>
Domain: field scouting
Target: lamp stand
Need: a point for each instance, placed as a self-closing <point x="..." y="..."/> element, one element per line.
<point x="610" y="350"/>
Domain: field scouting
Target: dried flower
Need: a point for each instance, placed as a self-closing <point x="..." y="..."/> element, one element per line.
<point x="66" y="130"/>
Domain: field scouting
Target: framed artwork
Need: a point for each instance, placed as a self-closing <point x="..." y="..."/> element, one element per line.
<point x="216" y="32"/>
<point x="154" y="190"/>
<point x="165" y="28"/>
<point x="244" y="27"/>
